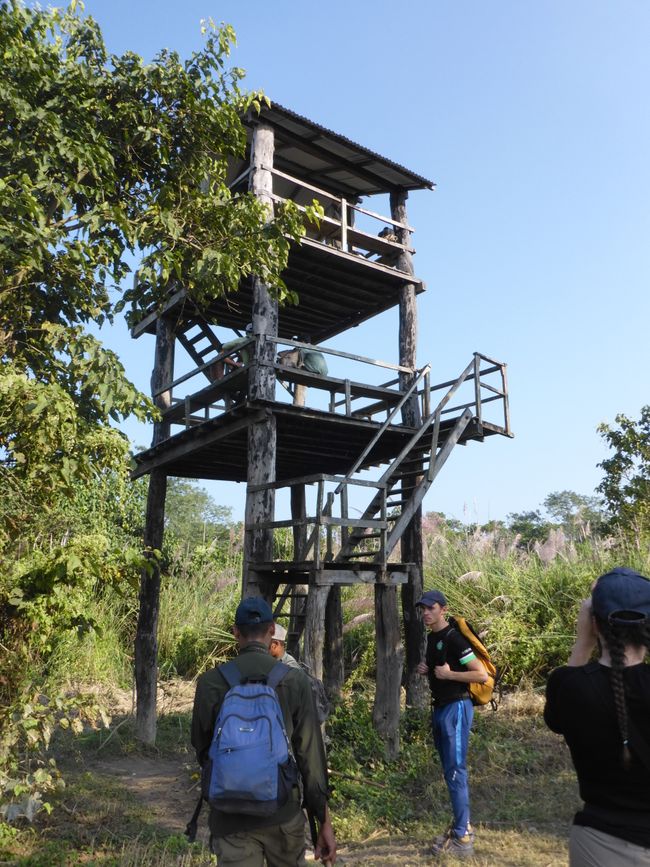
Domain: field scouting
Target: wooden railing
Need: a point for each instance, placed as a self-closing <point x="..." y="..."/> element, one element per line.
<point x="331" y="510"/>
<point x="338" y="229"/>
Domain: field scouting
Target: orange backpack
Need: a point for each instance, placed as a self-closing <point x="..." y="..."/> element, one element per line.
<point x="480" y="693"/>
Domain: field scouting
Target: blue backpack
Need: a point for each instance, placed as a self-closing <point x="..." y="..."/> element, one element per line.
<point x="250" y="767"/>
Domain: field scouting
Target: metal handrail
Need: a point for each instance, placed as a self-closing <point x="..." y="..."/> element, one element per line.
<point x="381" y="430"/>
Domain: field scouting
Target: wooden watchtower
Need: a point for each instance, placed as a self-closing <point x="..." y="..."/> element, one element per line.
<point x="351" y="452"/>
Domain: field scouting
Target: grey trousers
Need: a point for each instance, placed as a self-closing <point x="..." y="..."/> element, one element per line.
<point x="591" y="848"/>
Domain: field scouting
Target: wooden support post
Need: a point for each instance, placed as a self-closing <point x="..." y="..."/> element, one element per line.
<point x="390" y="660"/>
<point x="299" y="591"/>
<point x="146" y="640"/>
<point x="411" y="542"/>
<point x="334" y="673"/>
<point x="262" y="435"/>
<point x="315" y="628"/>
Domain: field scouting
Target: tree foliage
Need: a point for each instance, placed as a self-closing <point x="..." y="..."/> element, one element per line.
<point x="577" y="514"/>
<point x="193" y="518"/>
<point x="626" y="484"/>
<point x="529" y="526"/>
<point x="106" y="160"/>
<point x="105" y="156"/>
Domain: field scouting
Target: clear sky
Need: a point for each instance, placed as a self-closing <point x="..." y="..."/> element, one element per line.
<point x="532" y="118"/>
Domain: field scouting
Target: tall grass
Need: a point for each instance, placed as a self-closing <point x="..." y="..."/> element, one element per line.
<point x="526" y="608"/>
<point x="197" y="609"/>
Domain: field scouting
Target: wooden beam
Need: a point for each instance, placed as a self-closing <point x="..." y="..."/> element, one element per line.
<point x="262" y="435"/>
<point x="360" y="575"/>
<point x="146" y="644"/>
<point x="390" y="660"/>
<point x="411" y="540"/>
<point x="145" y="323"/>
<point x="333" y="667"/>
<point x="315" y="629"/>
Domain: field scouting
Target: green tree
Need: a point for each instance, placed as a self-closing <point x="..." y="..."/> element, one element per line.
<point x="530" y="526"/>
<point x="104" y="159"/>
<point x="193" y="518"/>
<point x="105" y="156"/>
<point x="626" y="484"/>
<point x="574" y="512"/>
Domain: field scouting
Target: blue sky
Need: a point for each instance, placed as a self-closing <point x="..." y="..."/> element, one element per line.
<point x="532" y="119"/>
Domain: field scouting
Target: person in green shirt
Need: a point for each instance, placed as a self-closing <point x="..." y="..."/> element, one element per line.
<point x="241" y="840"/>
<point x="240" y="354"/>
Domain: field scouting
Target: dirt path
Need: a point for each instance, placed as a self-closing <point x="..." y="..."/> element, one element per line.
<point x="169" y="794"/>
<point x="166" y="789"/>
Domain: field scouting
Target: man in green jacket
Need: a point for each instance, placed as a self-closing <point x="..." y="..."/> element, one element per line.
<point x="242" y="840"/>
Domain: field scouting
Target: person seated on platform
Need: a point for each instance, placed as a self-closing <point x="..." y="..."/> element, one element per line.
<point x="310" y="360"/>
<point x="239" y="357"/>
<point x="390" y="257"/>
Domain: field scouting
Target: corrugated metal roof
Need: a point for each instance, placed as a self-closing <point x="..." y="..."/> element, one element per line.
<point x="369" y="172"/>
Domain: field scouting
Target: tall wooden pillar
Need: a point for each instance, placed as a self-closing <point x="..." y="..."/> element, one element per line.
<point x="333" y="666"/>
<point x="390" y="657"/>
<point x="315" y="628"/>
<point x="146" y="639"/>
<point x="411" y="542"/>
<point x="262" y="435"/>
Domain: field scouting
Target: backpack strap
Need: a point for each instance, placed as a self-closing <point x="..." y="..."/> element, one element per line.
<point x="277" y="674"/>
<point x="230" y="673"/>
<point x="190" y="828"/>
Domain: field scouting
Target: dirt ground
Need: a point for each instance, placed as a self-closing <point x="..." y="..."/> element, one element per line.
<point x="167" y="791"/>
<point x="167" y="787"/>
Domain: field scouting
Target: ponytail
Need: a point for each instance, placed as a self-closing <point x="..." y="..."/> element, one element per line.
<point x="616" y="637"/>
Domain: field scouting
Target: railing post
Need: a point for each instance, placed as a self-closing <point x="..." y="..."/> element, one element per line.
<point x="384" y="529"/>
<point x="477" y="386"/>
<point x="344" y="225"/>
<point x="506" y="400"/>
<point x="344" y="515"/>
<point x="329" y="508"/>
<point x="319" y="510"/>
<point x="426" y="397"/>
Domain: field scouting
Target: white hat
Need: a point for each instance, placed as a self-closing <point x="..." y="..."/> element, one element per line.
<point x="280" y="633"/>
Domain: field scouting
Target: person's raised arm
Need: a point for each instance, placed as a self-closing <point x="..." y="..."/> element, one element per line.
<point x="586" y="636"/>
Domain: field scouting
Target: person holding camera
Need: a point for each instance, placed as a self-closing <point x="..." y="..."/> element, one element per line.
<point x="602" y="709"/>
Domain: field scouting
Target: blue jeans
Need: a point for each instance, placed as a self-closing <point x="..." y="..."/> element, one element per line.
<point x="451" y="725"/>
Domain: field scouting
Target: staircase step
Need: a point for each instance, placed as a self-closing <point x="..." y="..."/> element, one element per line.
<point x="360" y="555"/>
<point x="197" y="338"/>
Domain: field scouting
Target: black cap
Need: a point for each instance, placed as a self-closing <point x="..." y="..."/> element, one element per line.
<point x="431" y="597"/>
<point x="253" y="609"/>
<point x="621" y="596"/>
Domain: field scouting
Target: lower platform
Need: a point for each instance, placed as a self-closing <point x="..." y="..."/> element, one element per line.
<point x="329" y="574"/>
<point x="308" y="441"/>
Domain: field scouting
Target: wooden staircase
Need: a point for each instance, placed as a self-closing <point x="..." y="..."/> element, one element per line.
<point x="345" y="550"/>
<point x="402" y="489"/>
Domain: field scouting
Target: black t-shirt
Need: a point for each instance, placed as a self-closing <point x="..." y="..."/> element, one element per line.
<point x="451" y="647"/>
<point x="580" y="706"/>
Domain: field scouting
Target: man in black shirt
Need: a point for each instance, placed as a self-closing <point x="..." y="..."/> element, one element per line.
<point x="450" y="665"/>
